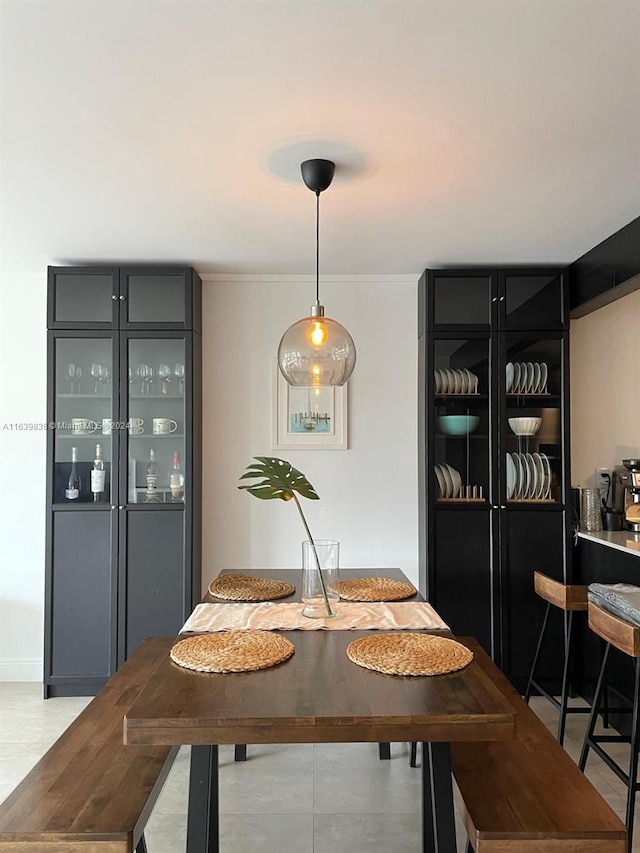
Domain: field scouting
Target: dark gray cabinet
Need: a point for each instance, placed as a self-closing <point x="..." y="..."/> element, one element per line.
<point x="123" y="534"/>
<point x="493" y="358"/>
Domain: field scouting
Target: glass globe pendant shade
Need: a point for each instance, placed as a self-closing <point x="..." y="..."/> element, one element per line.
<point x="316" y="351"/>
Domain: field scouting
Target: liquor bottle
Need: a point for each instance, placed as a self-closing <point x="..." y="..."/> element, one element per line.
<point x="152" y="472"/>
<point x="98" y="475"/>
<point x="176" y="479"/>
<point x="72" y="492"/>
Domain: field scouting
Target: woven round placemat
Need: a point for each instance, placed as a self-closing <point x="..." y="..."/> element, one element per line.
<point x="246" y="588"/>
<point x="232" y="651"/>
<point x="409" y="654"/>
<point x="375" y="589"/>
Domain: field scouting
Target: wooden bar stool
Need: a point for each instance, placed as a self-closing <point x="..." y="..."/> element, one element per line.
<point x="625" y="637"/>
<point x="567" y="598"/>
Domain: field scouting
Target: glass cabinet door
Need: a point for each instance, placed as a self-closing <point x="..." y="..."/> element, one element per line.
<point x="156" y="420"/>
<point x="462" y="433"/>
<point x="533" y="300"/>
<point x="462" y="299"/>
<point x="84" y="420"/>
<point x="157" y="299"/>
<point x="532" y="427"/>
<point x="83" y="298"/>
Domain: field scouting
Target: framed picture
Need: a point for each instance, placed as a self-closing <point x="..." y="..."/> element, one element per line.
<point x="309" y="417"/>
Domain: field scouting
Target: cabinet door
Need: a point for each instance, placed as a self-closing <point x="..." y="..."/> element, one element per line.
<point x="83" y="406"/>
<point x="461" y="584"/>
<point x="82" y="597"/>
<point x="152" y="576"/>
<point x="157" y="298"/>
<point x="531" y="541"/>
<point x="463" y="299"/>
<point x="533" y="430"/>
<point x="532" y="299"/>
<point x="83" y="297"/>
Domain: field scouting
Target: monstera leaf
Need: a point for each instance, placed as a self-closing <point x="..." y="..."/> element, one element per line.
<point x="279" y="480"/>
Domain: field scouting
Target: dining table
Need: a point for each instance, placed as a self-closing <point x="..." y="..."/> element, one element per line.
<point x="317" y="696"/>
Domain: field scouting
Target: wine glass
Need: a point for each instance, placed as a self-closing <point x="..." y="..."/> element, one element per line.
<point x="96" y="375"/>
<point x="141" y="372"/>
<point x="178" y="372"/>
<point x="165" y="373"/>
<point x="72" y="376"/>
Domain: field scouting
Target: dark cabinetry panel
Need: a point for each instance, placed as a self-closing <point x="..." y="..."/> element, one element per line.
<point x="607" y="265"/>
<point x="123" y="550"/>
<point x="462" y="587"/>
<point x="493" y="452"/>
<point x="154" y="592"/>
<point x="82" y="596"/>
<point x="533" y="542"/>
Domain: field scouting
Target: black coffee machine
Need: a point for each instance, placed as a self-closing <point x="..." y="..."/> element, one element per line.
<point x="626" y="492"/>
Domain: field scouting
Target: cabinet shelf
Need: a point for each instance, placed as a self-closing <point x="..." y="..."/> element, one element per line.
<point x="83" y="396"/>
<point x="466" y="397"/>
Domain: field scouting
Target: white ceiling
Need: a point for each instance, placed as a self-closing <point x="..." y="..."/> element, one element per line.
<point x="477" y="131"/>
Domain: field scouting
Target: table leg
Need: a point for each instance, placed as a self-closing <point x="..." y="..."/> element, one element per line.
<point x="203" y="819"/>
<point x="438" y="817"/>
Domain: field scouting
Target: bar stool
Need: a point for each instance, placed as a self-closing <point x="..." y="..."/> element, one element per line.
<point x="567" y="598"/>
<point x="625" y="637"/>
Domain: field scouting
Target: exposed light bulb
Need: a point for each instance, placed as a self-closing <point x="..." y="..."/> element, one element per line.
<point x="318" y="333"/>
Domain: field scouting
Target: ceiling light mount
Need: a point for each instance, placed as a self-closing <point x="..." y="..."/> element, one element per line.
<point x="317" y="350"/>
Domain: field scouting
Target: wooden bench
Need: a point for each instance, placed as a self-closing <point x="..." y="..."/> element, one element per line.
<point x="90" y="793"/>
<point x="527" y="795"/>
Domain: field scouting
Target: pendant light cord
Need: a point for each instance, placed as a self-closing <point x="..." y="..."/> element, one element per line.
<point x="317" y="248"/>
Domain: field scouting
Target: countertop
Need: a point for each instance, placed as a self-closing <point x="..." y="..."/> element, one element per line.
<point x="622" y="540"/>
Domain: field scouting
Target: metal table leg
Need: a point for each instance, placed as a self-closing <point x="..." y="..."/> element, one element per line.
<point x="203" y="834"/>
<point x="438" y="816"/>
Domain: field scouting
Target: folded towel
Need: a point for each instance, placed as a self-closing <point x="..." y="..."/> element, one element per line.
<point x="270" y="615"/>
<point x="621" y="599"/>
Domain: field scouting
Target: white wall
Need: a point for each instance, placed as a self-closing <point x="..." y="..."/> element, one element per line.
<point x="605" y="383"/>
<point x="368" y="493"/>
<point x="23" y="341"/>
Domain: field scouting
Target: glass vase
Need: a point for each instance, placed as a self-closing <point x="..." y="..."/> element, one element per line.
<point x="320" y="592"/>
<point x="590" y="515"/>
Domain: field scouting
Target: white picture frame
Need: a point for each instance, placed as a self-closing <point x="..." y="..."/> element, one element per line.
<point x="308" y="418"/>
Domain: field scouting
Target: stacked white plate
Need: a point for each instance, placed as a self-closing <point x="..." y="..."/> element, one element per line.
<point x="528" y="476"/>
<point x="526" y="378"/>
<point x="449" y="481"/>
<point x="455" y="381"/>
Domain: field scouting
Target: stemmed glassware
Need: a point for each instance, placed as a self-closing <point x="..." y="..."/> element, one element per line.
<point x="97" y="375"/>
<point x="165" y="374"/>
<point x="74" y="374"/>
<point x="178" y="372"/>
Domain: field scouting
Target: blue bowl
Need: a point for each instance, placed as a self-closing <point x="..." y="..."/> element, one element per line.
<point x="458" y="424"/>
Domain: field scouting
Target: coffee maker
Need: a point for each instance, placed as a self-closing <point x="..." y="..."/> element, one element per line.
<point x="626" y="492"/>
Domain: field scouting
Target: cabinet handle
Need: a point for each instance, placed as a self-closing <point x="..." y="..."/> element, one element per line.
<point x="122" y="298"/>
<point x="121" y="507"/>
<point x="502" y="299"/>
<point x="495" y="299"/>
<point x="113" y="506"/>
<point x="503" y="507"/>
<point x="114" y="297"/>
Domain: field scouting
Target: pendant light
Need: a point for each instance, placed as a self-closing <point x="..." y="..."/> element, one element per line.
<point x="317" y="350"/>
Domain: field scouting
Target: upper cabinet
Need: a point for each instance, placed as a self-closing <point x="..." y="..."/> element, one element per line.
<point x="487" y="299"/>
<point x="129" y="298"/>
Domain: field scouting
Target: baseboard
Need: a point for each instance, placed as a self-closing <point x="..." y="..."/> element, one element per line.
<point x="24" y="669"/>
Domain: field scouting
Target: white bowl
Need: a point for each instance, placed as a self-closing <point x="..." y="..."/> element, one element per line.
<point x="525" y="426"/>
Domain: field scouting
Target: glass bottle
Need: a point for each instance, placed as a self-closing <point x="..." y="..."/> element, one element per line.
<point x="72" y="492"/>
<point x="176" y="479"/>
<point x="98" y="475"/>
<point x="152" y="472"/>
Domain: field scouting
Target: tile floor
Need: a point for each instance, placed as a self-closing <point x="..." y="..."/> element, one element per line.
<point x="284" y="799"/>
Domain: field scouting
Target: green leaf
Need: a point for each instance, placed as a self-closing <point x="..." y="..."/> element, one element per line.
<point x="278" y="480"/>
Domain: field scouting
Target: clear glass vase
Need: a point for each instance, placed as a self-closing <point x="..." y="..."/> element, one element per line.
<point x="320" y="592"/>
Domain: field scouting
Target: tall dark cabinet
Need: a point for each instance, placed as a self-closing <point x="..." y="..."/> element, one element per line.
<point x="493" y="504"/>
<point x="123" y="546"/>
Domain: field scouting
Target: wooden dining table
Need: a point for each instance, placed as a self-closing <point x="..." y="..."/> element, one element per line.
<point x="317" y="696"/>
